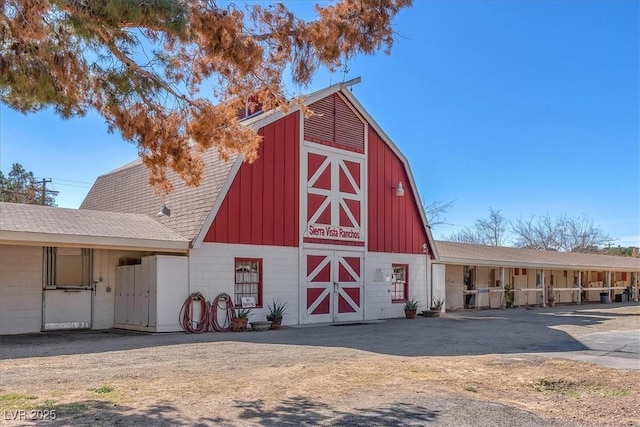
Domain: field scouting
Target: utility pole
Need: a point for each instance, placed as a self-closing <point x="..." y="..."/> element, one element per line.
<point x="44" y="190"/>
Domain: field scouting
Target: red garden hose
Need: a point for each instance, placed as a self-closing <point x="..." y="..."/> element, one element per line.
<point x="188" y="323"/>
<point x="209" y="313"/>
<point x="222" y="302"/>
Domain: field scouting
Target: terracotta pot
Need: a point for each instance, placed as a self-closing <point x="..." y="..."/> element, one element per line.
<point x="239" y="324"/>
<point x="275" y="322"/>
<point x="410" y="314"/>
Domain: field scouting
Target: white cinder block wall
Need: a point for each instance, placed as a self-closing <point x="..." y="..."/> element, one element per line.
<point x="20" y="289"/>
<point x="377" y="294"/>
<point x="212" y="272"/>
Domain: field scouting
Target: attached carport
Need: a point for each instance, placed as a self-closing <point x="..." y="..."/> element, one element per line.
<point x="58" y="266"/>
<point x="479" y="276"/>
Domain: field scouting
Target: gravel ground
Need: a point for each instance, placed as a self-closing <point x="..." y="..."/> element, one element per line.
<point x="493" y="368"/>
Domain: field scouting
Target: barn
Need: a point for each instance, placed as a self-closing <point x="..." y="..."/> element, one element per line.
<point x="328" y="220"/>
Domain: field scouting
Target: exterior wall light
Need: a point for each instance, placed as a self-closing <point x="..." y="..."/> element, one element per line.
<point x="399" y="189"/>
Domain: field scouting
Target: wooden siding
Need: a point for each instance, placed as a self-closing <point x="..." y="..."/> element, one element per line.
<point x="394" y="223"/>
<point x="335" y="124"/>
<point x="262" y="204"/>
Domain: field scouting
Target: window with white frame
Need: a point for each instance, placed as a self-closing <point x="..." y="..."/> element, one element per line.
<point x="248" y="280"/>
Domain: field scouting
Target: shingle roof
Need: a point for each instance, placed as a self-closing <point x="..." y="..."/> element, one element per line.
<point x="452" y="252"/>
<point x="56" y="222"/>
<point x="126" y="190"/>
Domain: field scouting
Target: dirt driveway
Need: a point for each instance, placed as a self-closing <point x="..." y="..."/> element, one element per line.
<point x="499" y="368"/>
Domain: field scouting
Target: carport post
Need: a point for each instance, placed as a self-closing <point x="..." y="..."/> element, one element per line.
<point x="502" y="286"/>
<point x="609" y="286"/>
<point x="579" y="287"/>
<point x="544" y="291"/>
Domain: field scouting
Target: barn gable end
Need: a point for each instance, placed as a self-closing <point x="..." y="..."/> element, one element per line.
<point x="261" y="206"/>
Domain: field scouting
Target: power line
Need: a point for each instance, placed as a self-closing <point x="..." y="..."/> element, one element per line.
<point x="71" y="185"/>
<point x="70" y="180"/>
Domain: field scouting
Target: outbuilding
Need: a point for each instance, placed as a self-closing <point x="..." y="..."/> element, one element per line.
<point x="480" y="276"/>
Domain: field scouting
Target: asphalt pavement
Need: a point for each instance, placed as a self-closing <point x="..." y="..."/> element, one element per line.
<point x="534" y="331"/>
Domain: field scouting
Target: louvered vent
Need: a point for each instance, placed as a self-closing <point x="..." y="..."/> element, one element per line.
<point x="335" y="124"/>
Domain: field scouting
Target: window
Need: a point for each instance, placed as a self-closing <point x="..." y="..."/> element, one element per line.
<point x="399" y="284"/>
<point x="67" y="266"/>
<point x="248" y="281"/>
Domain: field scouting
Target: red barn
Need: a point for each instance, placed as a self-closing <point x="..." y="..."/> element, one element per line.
<point x="328" y="219"/>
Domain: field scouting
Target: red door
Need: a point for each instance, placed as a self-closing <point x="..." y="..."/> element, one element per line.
<point x="333" y="287"/>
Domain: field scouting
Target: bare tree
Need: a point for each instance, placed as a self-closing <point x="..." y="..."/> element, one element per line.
<point x="436" y="211"/>
<point x="559" y="234"/>
<point x="466" y="235"/>
<point x="491" y="230"/>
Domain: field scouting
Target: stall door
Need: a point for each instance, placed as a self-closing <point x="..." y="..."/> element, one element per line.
<point x="67" y="308"/>
<point x="333" y="286"/>
<point x="67" y="292"/>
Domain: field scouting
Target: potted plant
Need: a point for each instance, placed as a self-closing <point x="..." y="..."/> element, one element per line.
<point x="551" y="298"/>
<point x="240" y="319"/>
<point x="509" y="296"/>
<point x="277" y="310"/>
<point x="411" y="308"/>
<point x="437" y="304"/>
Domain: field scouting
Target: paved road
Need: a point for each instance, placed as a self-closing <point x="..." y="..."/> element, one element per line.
<point x="515" y="331"/>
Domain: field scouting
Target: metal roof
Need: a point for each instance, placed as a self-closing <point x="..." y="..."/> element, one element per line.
<point x="46" y="225"/>
<point x="500" y="256"/>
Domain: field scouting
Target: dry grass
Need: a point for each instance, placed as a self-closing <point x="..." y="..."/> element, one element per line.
<point x="236" y="383"/>
<point x="198" y="380"/>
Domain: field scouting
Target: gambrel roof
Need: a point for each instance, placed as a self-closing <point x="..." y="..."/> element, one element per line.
<point x="193" y="208"/>
<point x="472" y="254"/>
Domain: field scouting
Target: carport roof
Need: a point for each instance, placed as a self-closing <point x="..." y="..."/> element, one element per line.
<point x="499" y="256"/>
<point x="46" y="225"/>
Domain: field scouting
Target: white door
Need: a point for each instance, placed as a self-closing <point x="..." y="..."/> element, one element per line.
<point x="333" y="286"/>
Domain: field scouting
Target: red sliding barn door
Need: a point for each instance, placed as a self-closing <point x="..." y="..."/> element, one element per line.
<point x="334" y="288"/>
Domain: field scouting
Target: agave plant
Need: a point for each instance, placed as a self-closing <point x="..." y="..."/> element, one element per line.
<point x="411" y="304"/>
<point x="277" y="308"/>
<point x="241" y="313"/>
<point x="437" y="304"/>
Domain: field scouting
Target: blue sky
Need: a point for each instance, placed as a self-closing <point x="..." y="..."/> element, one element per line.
<point x="530" y="107"/>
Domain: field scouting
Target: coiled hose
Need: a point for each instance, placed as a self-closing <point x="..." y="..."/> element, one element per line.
<point x="188" y="323"/>
<point x="222" y="303"/>
<point x="209" y="314"/>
